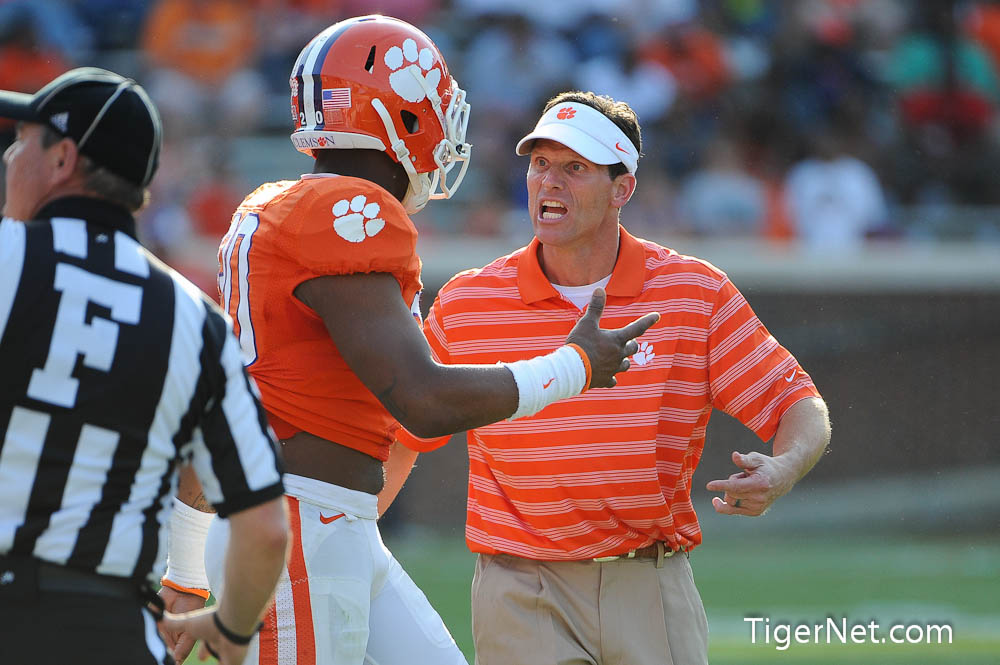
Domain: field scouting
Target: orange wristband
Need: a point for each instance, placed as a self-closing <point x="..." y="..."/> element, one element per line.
<point x="586" y="364"/>
<point x="201" y="593"/>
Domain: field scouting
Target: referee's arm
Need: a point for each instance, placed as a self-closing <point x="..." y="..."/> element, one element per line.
<point x="235" y="458"/>
<point x="254" y="560"/>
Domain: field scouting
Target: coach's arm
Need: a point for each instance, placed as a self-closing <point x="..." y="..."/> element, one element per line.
<point x="801" y="439"/>
<point x="397" y="470"/>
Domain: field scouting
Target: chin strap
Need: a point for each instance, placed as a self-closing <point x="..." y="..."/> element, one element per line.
<point x="418" y="193"/>
<point x="449" y="152"/>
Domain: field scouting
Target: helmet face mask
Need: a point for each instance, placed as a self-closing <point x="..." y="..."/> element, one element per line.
<point x="378" y="83"/>
<point x="453" y="150"/>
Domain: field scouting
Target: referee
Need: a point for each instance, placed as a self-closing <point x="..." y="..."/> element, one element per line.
<point x="115" y="371"/>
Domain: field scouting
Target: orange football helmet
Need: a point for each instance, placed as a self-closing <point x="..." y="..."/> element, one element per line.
<point x="378" y="83"/>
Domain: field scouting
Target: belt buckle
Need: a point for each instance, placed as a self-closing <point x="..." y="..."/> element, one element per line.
<point x="663" y="552"/>
<point x="627" y="555"/>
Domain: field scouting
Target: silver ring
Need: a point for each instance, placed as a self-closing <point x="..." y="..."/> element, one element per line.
<point x="736" y="504"/>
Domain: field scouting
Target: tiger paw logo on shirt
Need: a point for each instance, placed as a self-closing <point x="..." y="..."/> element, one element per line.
<point x="644" y="355"/>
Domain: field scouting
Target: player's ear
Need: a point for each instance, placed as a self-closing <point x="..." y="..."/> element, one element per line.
<point x="623" y="188"/>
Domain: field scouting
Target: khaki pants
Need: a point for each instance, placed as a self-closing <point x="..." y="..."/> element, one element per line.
<point x="624" y="612"/>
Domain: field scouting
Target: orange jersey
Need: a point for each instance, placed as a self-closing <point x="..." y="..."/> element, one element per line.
<point x="609" y="470"/>
<point x="286" y="233"/>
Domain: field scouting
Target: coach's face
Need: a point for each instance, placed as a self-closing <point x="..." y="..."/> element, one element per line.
<point x="33" y="171"/>
<point x="570" y="198"/>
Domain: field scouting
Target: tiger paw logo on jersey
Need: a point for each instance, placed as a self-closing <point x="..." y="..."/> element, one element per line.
<point x="401" y="80"/>
<point x="644" y="355"/>
<point x="566" y="113"/>
<point x="357" y="219"/>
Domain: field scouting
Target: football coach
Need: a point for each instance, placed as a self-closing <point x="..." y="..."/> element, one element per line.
<point x="116" y="371"/>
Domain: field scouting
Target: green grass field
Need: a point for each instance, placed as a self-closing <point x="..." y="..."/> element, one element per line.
<point x="797" y="580"/>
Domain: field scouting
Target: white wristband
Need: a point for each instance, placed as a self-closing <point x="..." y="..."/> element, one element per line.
<point x="543" y="380"/>
<point x="188" y="529"/>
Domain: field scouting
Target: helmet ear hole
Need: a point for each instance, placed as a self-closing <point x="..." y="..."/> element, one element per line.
<point x="410" y="121"/>
<point x="370" y="62"/>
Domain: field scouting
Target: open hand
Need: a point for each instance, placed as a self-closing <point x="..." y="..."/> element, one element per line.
<point x="751" y="491"/>
<point x="608" y="350"/>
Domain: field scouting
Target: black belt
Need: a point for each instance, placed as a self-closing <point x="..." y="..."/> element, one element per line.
<point x="52" y="577"/>
<point x="44" y="576"/>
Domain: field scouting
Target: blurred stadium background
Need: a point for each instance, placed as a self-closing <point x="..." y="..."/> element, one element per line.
<point x="839" y="158"/>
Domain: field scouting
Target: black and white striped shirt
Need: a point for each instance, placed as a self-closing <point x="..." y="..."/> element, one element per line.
<point x="113" y="368"/>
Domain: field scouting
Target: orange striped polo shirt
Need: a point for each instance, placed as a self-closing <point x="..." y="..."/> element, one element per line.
<point x="609" y="470"/>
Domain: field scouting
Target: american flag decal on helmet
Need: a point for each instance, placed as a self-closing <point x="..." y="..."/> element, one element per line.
<point x="336" y="98"/>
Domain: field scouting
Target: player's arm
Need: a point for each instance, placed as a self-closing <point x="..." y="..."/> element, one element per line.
<point x="235" y="461"/>
<point x="802" y="436"/>
<point x="377" y="336"/>
<point x="184" y="587"/>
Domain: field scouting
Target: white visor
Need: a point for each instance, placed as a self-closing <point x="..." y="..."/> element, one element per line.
<point x="586" y="131"/>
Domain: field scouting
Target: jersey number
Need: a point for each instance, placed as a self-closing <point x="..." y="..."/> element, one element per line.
<point x="235" y="271"/>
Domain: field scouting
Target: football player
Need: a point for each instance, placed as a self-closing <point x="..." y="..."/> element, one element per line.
<point x="322" y="280"/>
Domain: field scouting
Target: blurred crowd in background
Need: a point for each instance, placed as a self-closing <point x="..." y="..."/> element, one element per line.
<point x="824" y="124"/>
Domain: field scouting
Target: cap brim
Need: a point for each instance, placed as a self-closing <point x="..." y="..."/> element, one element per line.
<point x="577" y="140"/>
<point x="16" y="105"/>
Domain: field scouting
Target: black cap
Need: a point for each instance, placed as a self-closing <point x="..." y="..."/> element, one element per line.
<point x="111" y="119"/>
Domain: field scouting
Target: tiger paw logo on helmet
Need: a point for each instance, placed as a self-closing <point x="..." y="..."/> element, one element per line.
<point x="403" y="79"/>
<point x="357" y="219"/>
<point x="378" y="83"/>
